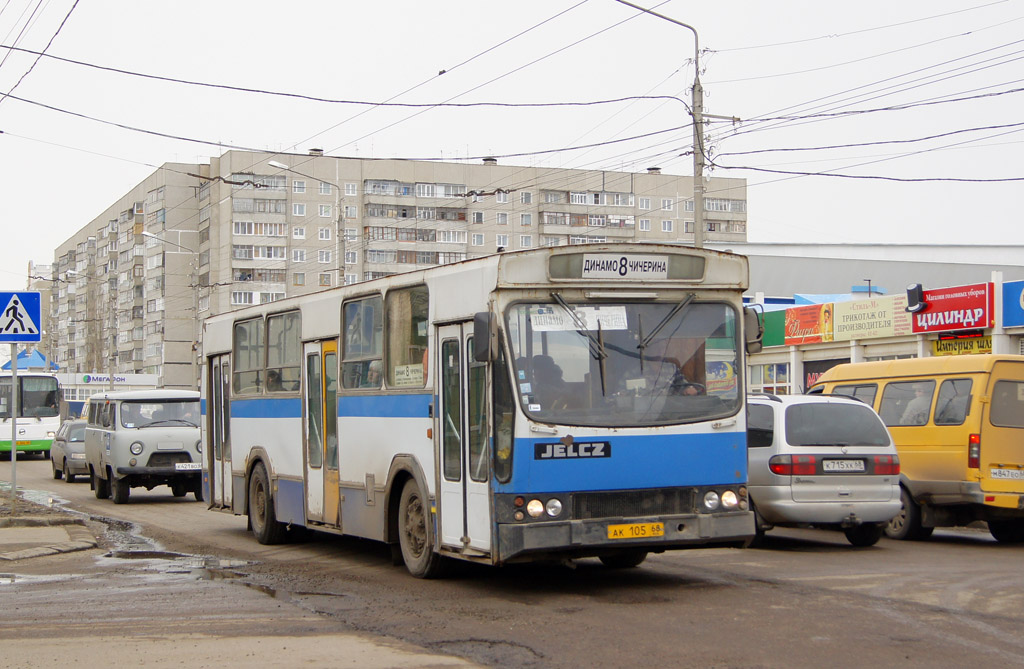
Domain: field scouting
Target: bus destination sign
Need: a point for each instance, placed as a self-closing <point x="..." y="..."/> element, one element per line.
<point x="626" y="266"/>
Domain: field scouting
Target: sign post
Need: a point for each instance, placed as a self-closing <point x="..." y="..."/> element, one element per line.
<point x="19" y="323"/>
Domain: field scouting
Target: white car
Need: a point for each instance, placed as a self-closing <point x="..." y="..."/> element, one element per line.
<point x="821" y="460"/>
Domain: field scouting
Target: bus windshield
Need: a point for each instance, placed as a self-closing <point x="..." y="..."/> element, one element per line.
<point x="38" y="399"/>
<point x="625" y="364"/>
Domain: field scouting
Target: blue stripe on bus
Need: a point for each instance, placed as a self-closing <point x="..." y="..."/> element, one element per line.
<point x="385" y="406"/>
<point x="638" y="461"/>
<point x="267" y="407"/>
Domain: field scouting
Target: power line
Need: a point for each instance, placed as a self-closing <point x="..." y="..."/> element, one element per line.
<point x="48" y="44"/>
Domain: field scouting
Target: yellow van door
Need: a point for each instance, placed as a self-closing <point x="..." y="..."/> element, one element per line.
<point x="1001" y="456"/>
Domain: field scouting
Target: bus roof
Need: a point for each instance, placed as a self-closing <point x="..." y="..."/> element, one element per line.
<point x="909" y="367"/>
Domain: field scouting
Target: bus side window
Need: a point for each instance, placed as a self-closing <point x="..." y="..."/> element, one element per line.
<point x="863" y="392"/>
<point x="954" y="402"/>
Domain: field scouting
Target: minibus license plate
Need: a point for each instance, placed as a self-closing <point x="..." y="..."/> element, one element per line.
<point x="843" y="465"/>
<point x="636" y="531"/>
<point x="187" y="466"/>
<point x="1017" y="474"/>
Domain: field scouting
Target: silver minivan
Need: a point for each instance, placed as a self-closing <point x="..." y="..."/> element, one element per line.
<point x="144" y="438"/>
<point x="820" y="460"/>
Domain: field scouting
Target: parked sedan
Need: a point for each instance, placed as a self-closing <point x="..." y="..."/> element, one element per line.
<point x="67" y="454"/>
<point x="824" y="461"/>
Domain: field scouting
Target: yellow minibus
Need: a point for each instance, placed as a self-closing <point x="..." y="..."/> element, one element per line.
<point x="958" y="424"/>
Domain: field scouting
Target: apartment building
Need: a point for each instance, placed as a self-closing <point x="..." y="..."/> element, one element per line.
<point x="251" y="227"/>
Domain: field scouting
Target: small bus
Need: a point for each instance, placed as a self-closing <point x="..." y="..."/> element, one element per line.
<point x="545" y="404"/>
<point x="40" y="410"/>
<point x="958" y="424"/>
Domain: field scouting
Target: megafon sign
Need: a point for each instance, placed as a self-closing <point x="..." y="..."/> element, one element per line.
<point x="956" y="308"/>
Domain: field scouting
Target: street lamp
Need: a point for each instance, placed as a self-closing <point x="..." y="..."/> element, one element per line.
<point x="698" y="128"/>
<point x="195" y="301"/>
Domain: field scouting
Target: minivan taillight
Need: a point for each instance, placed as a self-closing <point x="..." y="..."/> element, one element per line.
<point x="887" y="465"/>
<point x="793" y="465"/>
<point x="974" y="451"/>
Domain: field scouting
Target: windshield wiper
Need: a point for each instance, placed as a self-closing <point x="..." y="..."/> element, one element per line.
<point x="596" y="345"/>
<point x="645" y="341"/>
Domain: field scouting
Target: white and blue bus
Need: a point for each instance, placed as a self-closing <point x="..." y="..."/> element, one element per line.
<point x="40" y="411"/>
<point x="556" y="403"/>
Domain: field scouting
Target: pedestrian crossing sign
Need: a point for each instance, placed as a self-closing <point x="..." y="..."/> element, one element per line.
<point x="20" y="317"/>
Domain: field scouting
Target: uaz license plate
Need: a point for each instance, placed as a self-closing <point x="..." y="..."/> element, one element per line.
<point x="636" y="531"/>
<point x="842" y="465"/>
<point x="187" y="466"/>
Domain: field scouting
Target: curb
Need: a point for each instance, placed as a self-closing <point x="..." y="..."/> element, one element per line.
<point x="79" y="536"/>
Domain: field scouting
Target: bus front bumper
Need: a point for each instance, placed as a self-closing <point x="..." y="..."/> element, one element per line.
<point x="588" y="538"/>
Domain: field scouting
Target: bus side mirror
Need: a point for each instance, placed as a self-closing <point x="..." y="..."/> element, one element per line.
<point x="753" y="329"/>
<point x="485" y="337"/>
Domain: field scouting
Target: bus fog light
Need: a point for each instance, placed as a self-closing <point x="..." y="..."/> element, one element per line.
<point x="518" y="515"/>
<point x="730" y="500"/>
<point x="553" y="508"/>
<point x="711" y="500"/>
<point x="136" y="447"/>
<point x="535" y="508"/>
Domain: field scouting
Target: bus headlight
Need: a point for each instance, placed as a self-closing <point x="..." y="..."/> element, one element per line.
<point x="711" y="500"/>
<point x="553" y="507"/>
<point x="535" y="508"/>
<point x="136" y="447"/>
<point x="50" y="434"/>
<point x="730" y="500"/>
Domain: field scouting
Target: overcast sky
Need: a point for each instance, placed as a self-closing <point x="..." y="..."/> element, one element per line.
<point x="922" y="97"/>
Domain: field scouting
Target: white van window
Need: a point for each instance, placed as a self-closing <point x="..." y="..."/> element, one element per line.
<point x="760" y="425"/>
<point x="166" y="413"/>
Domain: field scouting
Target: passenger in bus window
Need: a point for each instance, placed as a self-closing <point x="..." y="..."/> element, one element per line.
<point x="548" y="384"/>
<point x="373" y="374"/>
<point x="274" y="381"/>
<point x="916" y="412"/>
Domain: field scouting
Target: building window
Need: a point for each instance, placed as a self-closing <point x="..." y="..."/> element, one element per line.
<point x="525" y="241"/>
<point x="324" y="234"/>
<point x="325" y="211"/>
<point x="241" y="297"/>
<point x="243" y="227"/>
<point x="645" y="225"/>
<point x="323" y="256"/>
<point x="578" y="198"/>
<point x="478" y="217"/>
<point x="667" y="204"/>
<point x="325" y="279"/>
<point x="298" y="209"/>
<point x="526" y="197"/>
<point x="299" y="279"/>
<point x="502" y="218"/>
<point x="351" y="189"/>
<point x="325" y="188"/>
<point x="351" y="234"/>
<point x="769" y="379"/>
<point x="298" y="255"/>
<point x="553" y="196"/>
<point x="551" y="241"/>
<point x="298" y="232"/>
<point x="351" y="211"/>
<point x="666" y="226"/>
<point x="351" y="278"/>
<point x="644" y="202"/>
<point x="478" y="239"/>
<point x="501" y="196"/>
<point x="501" y="241"/>
<point x="452" y="236"/>
<point x="526" y="219"/>
<point x="298" y="186"/>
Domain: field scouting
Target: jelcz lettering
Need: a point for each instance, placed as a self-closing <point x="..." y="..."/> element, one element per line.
<point x="560" y="451"/>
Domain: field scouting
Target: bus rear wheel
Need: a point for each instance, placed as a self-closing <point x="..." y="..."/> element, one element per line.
<point x="907" y="523"/>
<point x="1007" y="531"/>
<point x="414" y="535"/>
<point x="262" y="518"/>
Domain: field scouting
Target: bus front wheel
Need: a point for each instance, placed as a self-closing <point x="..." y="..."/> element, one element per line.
<point x="262" y="517"/>
<point x="907" y="523"/>
<point x="413" y="534"/>
<point x="623" y="559"/>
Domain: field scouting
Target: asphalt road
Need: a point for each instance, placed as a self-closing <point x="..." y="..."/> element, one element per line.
<point x="807" y="599"/>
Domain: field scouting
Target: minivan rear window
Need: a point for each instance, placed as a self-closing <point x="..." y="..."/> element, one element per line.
<point x="834" y="424"/>
<point x="1008" y="404"/>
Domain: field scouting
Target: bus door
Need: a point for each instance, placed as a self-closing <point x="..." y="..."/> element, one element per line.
<point x="218" y="425"/>
<point x="321" y="432"/>
<point x="463" y="428"/>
